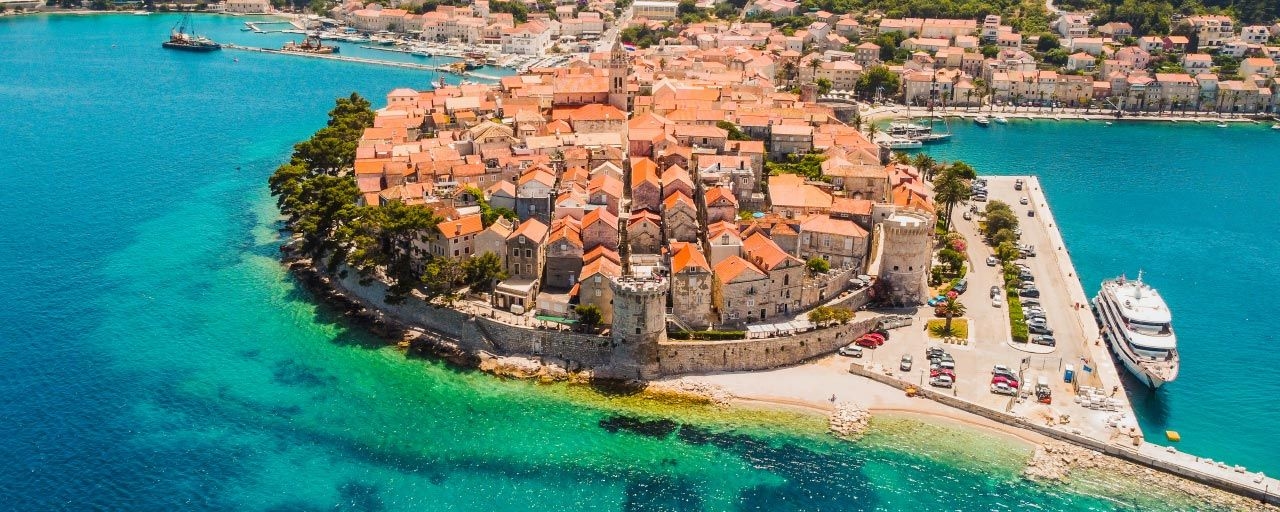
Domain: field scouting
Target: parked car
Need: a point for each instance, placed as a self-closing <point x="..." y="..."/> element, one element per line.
<point x="1002" y="370"/>
<point x="997" y="302"/>
<point x="933" y="352"/>
<point x="1031" y="302"/>
<point x="905" y="363"/>
<point x="1037" y="320"/>
<point x="995" y="290"/>
<point x="1029" y="292"/>
<point x="967" y="216"/>
<point x="1017" y="185"/>
<point x="961" y="286"/>
<point x="980" y="198"/>
<point x="1024" y="201"/>
<point x="992" y="261"/>
<point x="1005" y="379"/>
<point x="1039" y="329"/>
<point x="1044" y="339"/>
<point x="1003" y="389"/>
<point x="851" y="350"/>
<point x="936" y="300"/>
<point x="1031" y="213"/>
<point x="949" y="372"/>
<point x="942" y="381"/>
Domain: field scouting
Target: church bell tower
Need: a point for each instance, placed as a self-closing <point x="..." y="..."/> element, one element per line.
<point x="619" y="68"/>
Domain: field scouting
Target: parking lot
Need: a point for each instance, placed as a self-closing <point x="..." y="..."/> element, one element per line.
<point x="989" y="342"/>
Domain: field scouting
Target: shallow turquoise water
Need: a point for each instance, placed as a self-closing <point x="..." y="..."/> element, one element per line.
<point x="155" y="357"/>
<point x="1194" y="206"/>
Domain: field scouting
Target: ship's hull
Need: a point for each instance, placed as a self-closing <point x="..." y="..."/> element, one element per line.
<point x="198" y="48"/>
<point x="1114" y="341"/>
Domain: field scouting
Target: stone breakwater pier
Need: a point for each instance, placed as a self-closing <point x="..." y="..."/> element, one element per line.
<point x="1110" y="432"/>
<point x="362" y="60"/>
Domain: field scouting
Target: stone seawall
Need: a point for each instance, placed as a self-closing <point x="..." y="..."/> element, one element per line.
<point x="461" y="337"/>
<point x="1120" y="452"/>
<point x="679" y="357"/>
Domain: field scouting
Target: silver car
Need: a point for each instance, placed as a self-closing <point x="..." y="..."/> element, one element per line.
<point x="905" y="364"/>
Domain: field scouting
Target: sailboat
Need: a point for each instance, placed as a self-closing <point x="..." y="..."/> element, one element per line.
<point x="183" y="37"/>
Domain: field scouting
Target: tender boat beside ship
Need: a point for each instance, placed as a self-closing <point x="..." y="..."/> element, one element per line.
<point x="1137" y="325"/>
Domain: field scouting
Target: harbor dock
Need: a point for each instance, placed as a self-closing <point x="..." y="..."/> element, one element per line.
<point x="362" y="60"/>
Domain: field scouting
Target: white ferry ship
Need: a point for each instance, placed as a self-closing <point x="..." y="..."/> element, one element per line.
<point x="1136" y="324"/>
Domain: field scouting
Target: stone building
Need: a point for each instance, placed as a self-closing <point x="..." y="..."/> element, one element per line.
<point x="526" y="256"/>
<point x="691" y="284"/>
<point x="594" y="288"/>
<point x="644" y="231"/>
<point x="564" y="255"/>
<point x="599" y="228"/>
<point x="721" y="205"/>
<point x="680" y="217"/>
<point x="840" y="242"/>
<point x="737" y="291"/>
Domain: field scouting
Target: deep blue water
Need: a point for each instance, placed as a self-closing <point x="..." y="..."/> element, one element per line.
<point x="1194" y="206"/>
<point x="154" y="356"/>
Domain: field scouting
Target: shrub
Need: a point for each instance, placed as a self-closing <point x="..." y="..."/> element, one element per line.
<point x="1017" y="322"/>
<point x="707" y="335"/>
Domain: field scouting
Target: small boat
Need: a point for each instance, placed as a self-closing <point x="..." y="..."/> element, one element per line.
<point x="310" y="44"/>
<point x="1222" y="125"/>
<point x="897" y="143"/>
<point x="982" y="121"/>
<point x="182" y="37"/>
<point x="1275" y="127"/>
<point x="1000" y="119"/>
<point x="929" y="138"/>
<point x="141" y="13"/>
<point x="1108" y="123"/>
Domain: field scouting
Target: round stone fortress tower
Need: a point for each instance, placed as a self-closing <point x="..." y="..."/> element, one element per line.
<point x="639" y="323"/>
<point x="908" y="252"/>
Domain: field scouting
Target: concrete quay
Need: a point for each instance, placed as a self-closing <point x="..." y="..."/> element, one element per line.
<point x="1078" y="343"/>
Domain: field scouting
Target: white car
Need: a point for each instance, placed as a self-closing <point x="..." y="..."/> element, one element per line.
<point x="992" y="261"/>
<point x="997" y="302"/>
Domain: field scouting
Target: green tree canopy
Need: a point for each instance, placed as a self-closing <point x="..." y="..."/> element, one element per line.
<point x="879" y="79"/>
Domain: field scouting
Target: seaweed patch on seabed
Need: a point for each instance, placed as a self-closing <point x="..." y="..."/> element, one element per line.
<point x="292" y="373"/>
<point x="649" y="428"/>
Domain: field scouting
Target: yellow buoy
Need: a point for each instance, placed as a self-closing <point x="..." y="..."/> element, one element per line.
<point x="1173" y="435"/>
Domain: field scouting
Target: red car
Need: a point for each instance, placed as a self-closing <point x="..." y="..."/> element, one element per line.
<point x="868" y="342"/>
<point x="877" y="336"/>
<point x="942" y="371"/>
<point x="1013" y="383"/>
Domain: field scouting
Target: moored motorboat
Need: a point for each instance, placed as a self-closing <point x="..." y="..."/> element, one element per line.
<point x="982" y="121"/>
<point x="1000" y="119"/>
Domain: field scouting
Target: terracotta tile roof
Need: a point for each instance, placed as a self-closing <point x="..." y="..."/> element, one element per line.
<point x="468" y="225"/>
<point x="764" y="252"/>
<point x="849" y="206"/>
<point x="678" y="197"/>
<point x="532" y="229"/>
<point x="715" y="194"/>
<point x="600" y="215"/>
<point x="688" y="257"/>
<point x="602" y="266"/>
<point x="602" y="252"/>
<point x="643" y="170"/>
<point x="597" y="112"/>
<point x="644" y="216"/>
<point x="733" y="267"/>
<point x="826" y="224"/>
<point x="789" y="190"/>
<point x="719" y="227"/>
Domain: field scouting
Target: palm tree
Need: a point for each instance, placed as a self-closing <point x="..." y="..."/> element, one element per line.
<point x="925" y="164"/>
<point x="949" y="189"/>
<point x="871" y="131"/>
<point x="951" y="308"/>
<point x="815" y="64"/>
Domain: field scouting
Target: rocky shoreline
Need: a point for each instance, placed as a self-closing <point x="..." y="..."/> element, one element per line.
<point x="417" y="342"/>
<point x="849" y="420"/>
<point x="1057" y="461"/>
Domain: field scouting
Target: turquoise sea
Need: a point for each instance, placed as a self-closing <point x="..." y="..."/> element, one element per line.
<point x="154" y="356"/>
<point x="1194" y="206"/>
